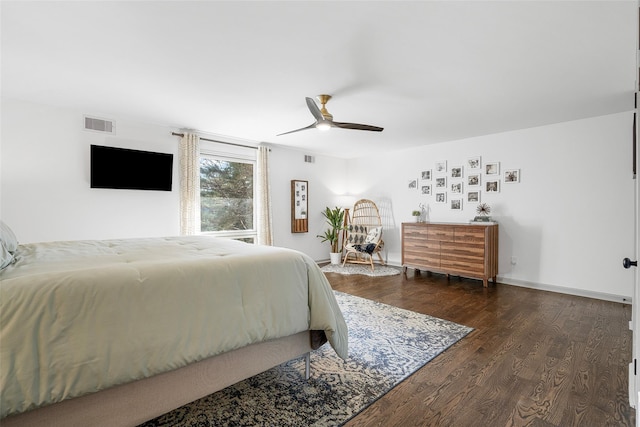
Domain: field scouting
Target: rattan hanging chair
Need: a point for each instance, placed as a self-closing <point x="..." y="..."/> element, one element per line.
<point x="363" y="238"/>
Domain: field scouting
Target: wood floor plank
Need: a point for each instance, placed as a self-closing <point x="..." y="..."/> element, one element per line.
<point x="535" y="358"/>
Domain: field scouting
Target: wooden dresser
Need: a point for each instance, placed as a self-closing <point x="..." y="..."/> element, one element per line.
<point x="469" y="250"/>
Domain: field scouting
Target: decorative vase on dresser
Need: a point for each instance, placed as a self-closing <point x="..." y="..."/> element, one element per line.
<point x="468" y="250"/>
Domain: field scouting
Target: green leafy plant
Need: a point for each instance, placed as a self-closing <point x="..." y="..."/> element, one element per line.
<point x="416" y="213"/>
<point x="335" y="220"/>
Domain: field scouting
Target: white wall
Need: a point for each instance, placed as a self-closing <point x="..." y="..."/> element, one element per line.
<point x="327" y="182"/>
<point x="45" y="193"/>
<point x="569" y="222"/>
<point x="45" y="187"/>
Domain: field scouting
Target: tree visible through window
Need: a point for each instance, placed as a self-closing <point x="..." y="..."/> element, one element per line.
<point x="226" y="196"/>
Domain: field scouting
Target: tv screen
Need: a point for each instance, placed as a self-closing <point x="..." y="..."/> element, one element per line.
<point x="130" y="169"/>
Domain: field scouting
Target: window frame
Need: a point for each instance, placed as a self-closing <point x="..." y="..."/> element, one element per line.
<point x="236" y="158"/>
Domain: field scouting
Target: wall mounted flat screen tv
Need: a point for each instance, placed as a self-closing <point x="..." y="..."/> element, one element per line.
<point x="124" y="168"/>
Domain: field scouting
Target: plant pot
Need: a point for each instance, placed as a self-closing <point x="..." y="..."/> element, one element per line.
<point x="336" y="257"/>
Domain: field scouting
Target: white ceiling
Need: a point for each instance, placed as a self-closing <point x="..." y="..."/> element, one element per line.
<point x="426" y="71"/>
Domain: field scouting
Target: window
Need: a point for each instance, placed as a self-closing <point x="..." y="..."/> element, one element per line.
<point x="227" y="202"/>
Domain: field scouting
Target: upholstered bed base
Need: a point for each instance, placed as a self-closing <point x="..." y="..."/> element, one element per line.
<point x="133" y="403"/>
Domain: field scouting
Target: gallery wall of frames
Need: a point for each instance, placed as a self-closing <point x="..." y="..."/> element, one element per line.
<point x="459" y="185"/>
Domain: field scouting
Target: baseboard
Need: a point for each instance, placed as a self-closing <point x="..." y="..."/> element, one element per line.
<point x="544" y="287"/>
<point x="563" y="290"/>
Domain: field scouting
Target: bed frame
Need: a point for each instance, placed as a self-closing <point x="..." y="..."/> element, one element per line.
<point x="134" y="403"/>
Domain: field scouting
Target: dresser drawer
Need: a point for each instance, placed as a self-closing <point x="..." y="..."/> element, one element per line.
<point x="468" y="259"/>
<point x="414" y="232"/>
<point x="468" y="250"/>
<point x="471" y="234"/>
<point x="422" y="260"/>
<point x="440" y="233"/>
<point x="462" y="266"/>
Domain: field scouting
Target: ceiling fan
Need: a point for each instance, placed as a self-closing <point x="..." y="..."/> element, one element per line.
<point x="324" y="119"/>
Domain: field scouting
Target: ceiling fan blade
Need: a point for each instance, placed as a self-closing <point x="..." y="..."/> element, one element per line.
<point x="313" y="107"/>
<point x="311" y="126"/>
<point x="357" y="126"/>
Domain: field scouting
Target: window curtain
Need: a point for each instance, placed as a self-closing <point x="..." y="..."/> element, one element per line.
<point x="265" y="231"/>
<point x="189" y="184"/>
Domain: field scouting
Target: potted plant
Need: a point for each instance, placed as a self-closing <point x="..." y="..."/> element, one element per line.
<point x="335" y="220"/>
<point x="416" y="215"/>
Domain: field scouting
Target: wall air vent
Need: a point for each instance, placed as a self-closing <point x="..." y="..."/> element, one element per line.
<point x="309" y="159"/>
<point x="95" y="124"/>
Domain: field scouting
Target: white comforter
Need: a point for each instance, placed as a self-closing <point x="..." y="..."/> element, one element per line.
<point x="78" y="317"/>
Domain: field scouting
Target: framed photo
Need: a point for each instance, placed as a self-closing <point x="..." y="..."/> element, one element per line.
<point x="473" y="180"/>
<point x="441" y="182"/>
<point x="474" y="163"/>
<point x="456" y="188"/>
<point x="492" y="186"/>
<point x="426" y="190"/>
<point x="413" y="184"/>
<point x="492" y="168"/>
<point x="456" y="172"/>
<point x="425" y="175"/>
<point x="456" y="204"/>
<point x="441" y="166"/>
<point x="441" y="197"/>
<point x="473" y="196"/>
<point x="300" y="199"/>
<point x="512" y="176"/>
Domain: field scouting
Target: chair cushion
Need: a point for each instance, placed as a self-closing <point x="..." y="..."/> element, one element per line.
<point x="374" y="235"/>
<point x="368" y="248"/>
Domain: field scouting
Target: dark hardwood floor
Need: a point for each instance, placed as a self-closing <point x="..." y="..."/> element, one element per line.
<point x="535" y="358"/>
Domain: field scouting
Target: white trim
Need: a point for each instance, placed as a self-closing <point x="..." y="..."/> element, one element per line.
<point x="245" y="156"/>
<point x="564" y="290"/>
<point x="233" y="234"/>
<point x="553" y="288"/>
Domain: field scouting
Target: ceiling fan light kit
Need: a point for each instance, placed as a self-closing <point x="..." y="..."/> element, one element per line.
<point x="324" y="119"/>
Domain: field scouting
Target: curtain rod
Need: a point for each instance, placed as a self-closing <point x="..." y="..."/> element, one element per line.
<point x="220" y="142"/>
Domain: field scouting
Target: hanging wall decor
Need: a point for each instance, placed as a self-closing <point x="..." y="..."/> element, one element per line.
<point x="299" y="206"/>
<point x="511" y="176"/>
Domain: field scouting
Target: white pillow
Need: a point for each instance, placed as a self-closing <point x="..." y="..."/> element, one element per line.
<point x="8" y="238"/>
<point x="373" y="236"/>
<point x="6" y="257"/>
<point x="8" y="245"/>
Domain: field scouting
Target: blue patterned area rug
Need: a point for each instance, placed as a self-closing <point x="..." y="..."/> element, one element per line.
<point x="386" y="345"/>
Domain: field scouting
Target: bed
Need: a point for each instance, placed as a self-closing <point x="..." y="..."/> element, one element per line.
<point x="116" y="332"/>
